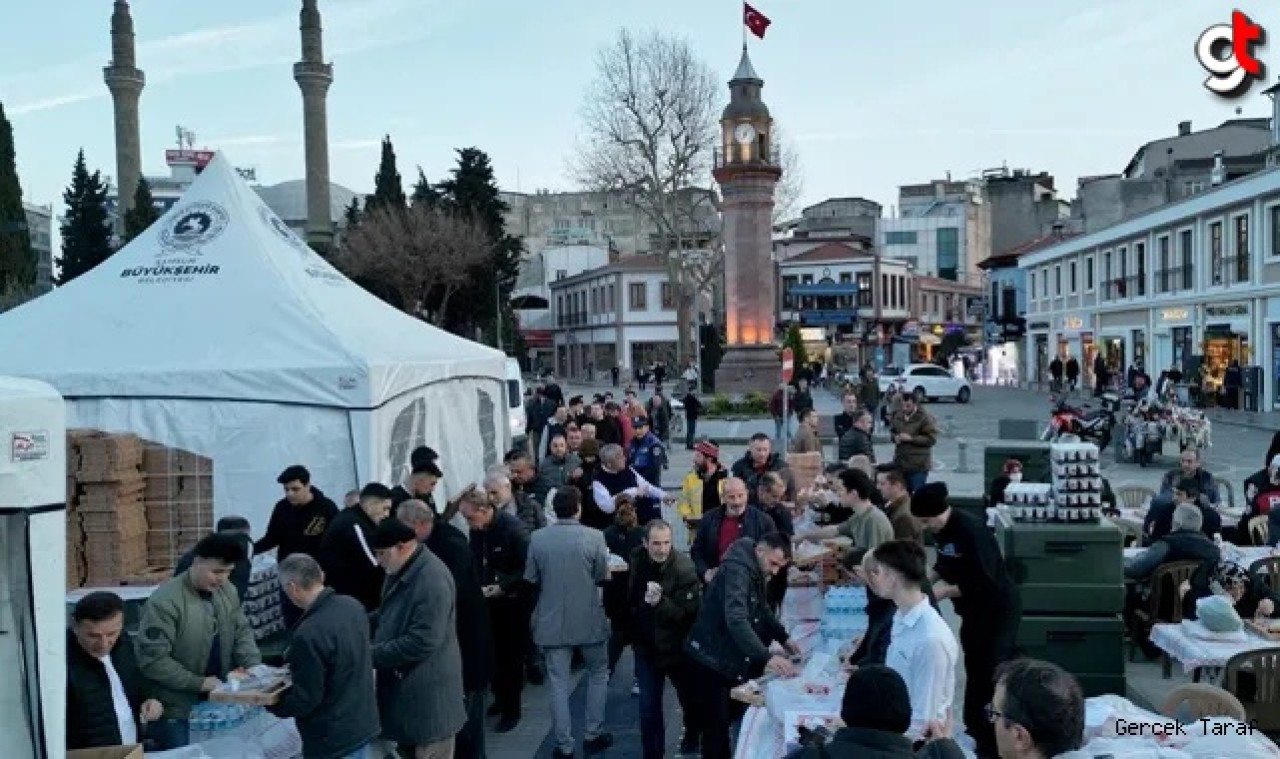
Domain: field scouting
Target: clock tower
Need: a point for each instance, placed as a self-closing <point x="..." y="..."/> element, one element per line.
<point x="746" y="168"/>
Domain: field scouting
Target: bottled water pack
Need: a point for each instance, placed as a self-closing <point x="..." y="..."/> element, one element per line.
<point x="844" y="615"/>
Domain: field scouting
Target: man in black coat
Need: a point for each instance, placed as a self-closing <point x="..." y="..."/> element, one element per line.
<point x="105" y="691"/>
<point x="720" y="528"/>
<point x="332" y="668"/>
<point x="243" y="569"/>
<point x="730" y="638"/>
<point x="475" y="638"/>
<point x="970" y="570"/>
<point x="299" y="520"/>
<point x="500" y="548"/>
<point x="346" y="554"/>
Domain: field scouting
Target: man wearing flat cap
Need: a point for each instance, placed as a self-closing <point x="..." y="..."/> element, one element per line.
<point x="970" y="570"/>
<point x="415" y="647"/>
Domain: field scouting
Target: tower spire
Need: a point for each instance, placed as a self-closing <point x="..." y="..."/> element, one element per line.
<point x="314" y="77"/>
<point x="125" y="81"/>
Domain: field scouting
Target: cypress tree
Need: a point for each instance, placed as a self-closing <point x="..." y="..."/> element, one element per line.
<point x="388" y="187"/>
<point x="423" y="192"/>
<point x="17" y="260"/>
<point x="143" y="214"/>
<point x="86" y="236"/>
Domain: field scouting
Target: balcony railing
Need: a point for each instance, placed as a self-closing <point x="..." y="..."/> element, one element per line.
<point x="1174" y="279"/>
<point x="1231" y="270"/>
<point x="572" y="319"/>
<point x="739" y="155"/>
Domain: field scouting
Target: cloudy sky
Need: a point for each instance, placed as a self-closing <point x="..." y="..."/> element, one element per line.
<point x="872" y="97"/>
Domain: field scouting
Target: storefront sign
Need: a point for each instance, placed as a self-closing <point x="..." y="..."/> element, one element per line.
<point x="1038" y="326"/>
<point x="1175" y="315"/>
<point x="1013" y="330"/>
<point x="1072" y="323"/>
<point x="911" y="329"/>
<point x="1233" y="309"/>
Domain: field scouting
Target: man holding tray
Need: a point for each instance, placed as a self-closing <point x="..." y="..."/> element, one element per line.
<point x="331" y="666"/>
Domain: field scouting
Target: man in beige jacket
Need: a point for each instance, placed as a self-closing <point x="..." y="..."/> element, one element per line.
<point x="914" y="432"/>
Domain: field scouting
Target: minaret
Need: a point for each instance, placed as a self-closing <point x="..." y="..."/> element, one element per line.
<point x="747" y="170"/>
<point x="314" y="76"/>
<point x="125" y="81"/>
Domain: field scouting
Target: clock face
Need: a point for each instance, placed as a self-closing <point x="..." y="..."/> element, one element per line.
<point x="744" y="133"/>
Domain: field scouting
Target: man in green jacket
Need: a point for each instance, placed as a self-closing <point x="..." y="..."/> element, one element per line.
<point x="192" y="634"/>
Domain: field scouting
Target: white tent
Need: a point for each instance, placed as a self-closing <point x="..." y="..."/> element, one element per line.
<point x="220" y="332"/>
<point x="33" y="573"/>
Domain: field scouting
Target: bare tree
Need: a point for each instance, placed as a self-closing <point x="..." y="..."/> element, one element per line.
<point x="651" y="123"/>
<point x="786" y="195"/>
<point x="424" y="254"/>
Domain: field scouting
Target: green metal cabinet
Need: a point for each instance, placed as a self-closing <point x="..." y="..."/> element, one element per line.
<point x="1091" y="648"/>
<point x="1071" y="568"/>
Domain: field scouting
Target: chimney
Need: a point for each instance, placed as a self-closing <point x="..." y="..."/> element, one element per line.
<point x="1219" y="173"/>
<point x="1184" y="128"/>
<point x="1058" y="228"/>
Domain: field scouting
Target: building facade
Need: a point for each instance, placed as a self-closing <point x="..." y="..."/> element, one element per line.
<point x="945" y="307"/>
<point x="1194" y="284"/>
<point x="622" y="314"/>
<point x="532" y="297"/>
<point x="1006" y="308"/>
<point x="40" y="231"/>
<point x="942" y="228"/>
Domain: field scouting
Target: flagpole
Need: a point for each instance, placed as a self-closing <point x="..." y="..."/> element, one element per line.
<point x="742" y="22"/>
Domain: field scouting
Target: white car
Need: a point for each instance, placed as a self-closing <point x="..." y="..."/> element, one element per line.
<point x="927" y="381"/>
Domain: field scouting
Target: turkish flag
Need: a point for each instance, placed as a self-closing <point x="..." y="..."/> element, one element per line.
<point x="756" y="21"/>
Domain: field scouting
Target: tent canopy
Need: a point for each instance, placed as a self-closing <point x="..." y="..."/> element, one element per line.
<point x="220" y="300"/>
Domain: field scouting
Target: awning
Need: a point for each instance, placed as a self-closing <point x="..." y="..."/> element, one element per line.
<point x="824" y="288"/>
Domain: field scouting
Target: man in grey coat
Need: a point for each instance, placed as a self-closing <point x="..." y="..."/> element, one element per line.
<point x="568" y="562"/>
<point x="415" y="647"/>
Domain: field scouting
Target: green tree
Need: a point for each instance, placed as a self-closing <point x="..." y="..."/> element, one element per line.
<point x="795" y="341"/>
<point x="351" y="214"/>
<point x="86" y="237"/>
<point x="17" y="260"/>
<point x="471" y="190"/>
<point x="423" y="192"/>
<point x="388" y="187"/>
<point x="142" y="215"/>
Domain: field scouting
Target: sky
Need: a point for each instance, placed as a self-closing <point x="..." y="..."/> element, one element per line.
<point x="871" y="96"/>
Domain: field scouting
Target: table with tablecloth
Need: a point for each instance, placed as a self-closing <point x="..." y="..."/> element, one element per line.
<point x="1109" y="720"/>
<point x="1242" y="555"/>
<point x="1202" y="653"/>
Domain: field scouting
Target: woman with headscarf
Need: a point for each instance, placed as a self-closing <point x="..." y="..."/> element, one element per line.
<point x="1011" y="473"/>
<point x="1251" y="598"/>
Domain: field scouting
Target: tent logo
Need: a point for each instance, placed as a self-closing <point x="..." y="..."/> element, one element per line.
<point x="196" y="225"/>
<point x="282" y="229"/>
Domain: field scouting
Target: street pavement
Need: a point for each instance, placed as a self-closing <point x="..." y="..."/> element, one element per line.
<point x="1237" y="452"/>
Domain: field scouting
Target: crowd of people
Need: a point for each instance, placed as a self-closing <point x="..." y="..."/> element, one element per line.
<point x="562" y="557"/>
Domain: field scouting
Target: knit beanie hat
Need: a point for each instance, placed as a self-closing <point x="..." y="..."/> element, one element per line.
<point x="708" y="449"/>
<point x="876" y="698"/>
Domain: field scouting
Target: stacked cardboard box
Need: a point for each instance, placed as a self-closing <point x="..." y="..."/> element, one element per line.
<point x="75" y="532"/>
<point x="108" y="504"/>
<point x="179" y="502"/>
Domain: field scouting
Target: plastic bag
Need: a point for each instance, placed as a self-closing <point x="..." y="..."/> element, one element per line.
<point x="1218" y="615"/>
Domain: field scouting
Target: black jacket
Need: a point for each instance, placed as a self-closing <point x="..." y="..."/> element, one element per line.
<point x="856" y="442"/>
<point x="734" y="627"/>
<point x="500" y="553"/>
<point x="863" y="743"/>
<point x="298" y="529"/>
<point x="660" y="631"/>
<point x="970" y="558"/>
<point x="705" y="550"/>
<point x="1179" y="545"/>
<point x="240" y="573"/>
<point x="745" y="470"/>
<point x="91" y="715"/>
<point x="1159" y="521"/>
<point x="347" y="558"/>
<point x="620" y="544"/>
<point x="475" y="638"/>
<point x="332" y="694"/>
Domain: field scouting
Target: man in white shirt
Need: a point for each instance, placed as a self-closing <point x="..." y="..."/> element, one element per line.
<point x="105" y="690"/>
<point x="922" y="647"/>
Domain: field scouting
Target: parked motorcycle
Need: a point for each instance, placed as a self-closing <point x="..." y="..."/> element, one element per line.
<point x="1088" y="424"/>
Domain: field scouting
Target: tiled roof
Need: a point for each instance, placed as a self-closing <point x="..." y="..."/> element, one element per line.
<point x="832" y="251"/>
<point x="1031" y="246"/>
